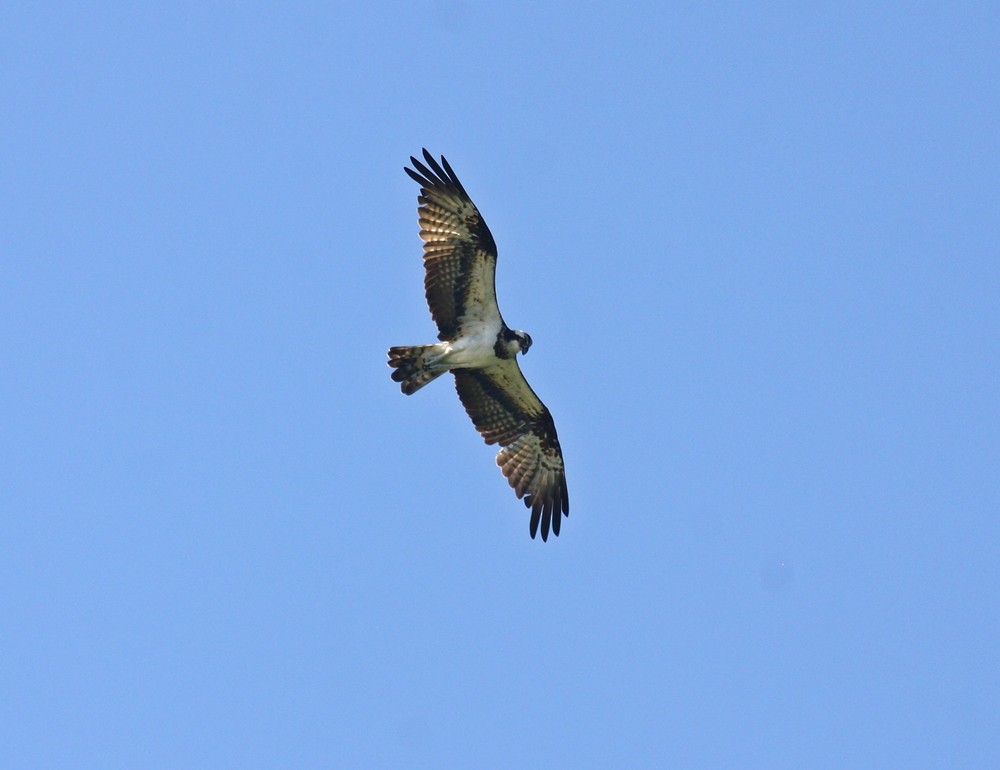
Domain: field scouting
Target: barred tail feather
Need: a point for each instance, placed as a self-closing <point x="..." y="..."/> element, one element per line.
<point x="415" y="366"/>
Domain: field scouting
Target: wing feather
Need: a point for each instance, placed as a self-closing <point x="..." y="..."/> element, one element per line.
<point x="460" y="254"/>
<point x="506" y="411"/>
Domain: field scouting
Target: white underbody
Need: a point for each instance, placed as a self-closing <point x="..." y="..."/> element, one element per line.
<point x="473" y="349"/>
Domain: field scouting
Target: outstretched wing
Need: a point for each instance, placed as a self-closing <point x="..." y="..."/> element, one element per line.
<point x="506" y="411"/>
<point x="460" y="256"/>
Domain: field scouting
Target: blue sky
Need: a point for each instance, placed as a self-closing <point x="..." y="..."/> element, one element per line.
<point x="757" y="249"/>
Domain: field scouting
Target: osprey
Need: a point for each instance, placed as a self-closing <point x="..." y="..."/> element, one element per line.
<point x="478" y="348"/>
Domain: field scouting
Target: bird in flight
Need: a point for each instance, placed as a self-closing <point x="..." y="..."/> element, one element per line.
<point x="478" y="348"/>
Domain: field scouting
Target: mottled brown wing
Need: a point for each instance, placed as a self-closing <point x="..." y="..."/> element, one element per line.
<point x="506" y="411"/>
<point x="460" y="255"/>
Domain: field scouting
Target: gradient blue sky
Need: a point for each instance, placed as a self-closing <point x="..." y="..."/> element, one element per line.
<point x="758" y="249"/>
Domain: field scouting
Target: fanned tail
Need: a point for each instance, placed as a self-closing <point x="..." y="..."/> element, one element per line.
<point x="415" y="366"/>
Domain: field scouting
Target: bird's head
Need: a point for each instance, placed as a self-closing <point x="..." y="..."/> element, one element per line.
<point x="524" y="340"/>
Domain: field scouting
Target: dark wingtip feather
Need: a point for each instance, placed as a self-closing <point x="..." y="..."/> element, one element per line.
<point x="415" y="176"/>
<point x="423" y="176"/>
<point x="546" y="518"/>
<point x="434" y="173"/>
<point x="436" y="167"/>
<point x="547" y="512"/>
